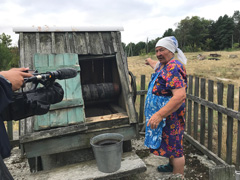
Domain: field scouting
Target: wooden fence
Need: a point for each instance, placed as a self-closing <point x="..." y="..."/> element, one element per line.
<point x="205" y="118"/>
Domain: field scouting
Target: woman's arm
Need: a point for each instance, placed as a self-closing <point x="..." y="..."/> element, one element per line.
<point x="179" y="95"/>
<point x="151" y="62"/>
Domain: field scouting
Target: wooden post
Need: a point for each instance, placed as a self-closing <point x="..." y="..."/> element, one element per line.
<point x="189" y="120"/>
<point x="142" y="100"/>
<point x="10" y="130"/>
<point x="210" y="114"/>
<point x="230" y="104"/>
<point x="203" y="116"/>
<point x="220" y="102"/>
<point x="238" y="139"/>
<point x="196" y="93"/>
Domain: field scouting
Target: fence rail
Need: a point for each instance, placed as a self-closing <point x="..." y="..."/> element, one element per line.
<point x="204" y="125"/>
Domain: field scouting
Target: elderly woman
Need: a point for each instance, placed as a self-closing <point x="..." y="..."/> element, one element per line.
<point x="165" y="105"/>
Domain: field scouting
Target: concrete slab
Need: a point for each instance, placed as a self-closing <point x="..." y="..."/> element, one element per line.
<point x="130" y="164"/>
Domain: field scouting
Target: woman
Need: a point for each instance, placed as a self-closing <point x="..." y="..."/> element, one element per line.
<point x="165" y="105"/>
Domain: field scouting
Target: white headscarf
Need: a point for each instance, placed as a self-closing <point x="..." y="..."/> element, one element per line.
<point x="171" y="44"/>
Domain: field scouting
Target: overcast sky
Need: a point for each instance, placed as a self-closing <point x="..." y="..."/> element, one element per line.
<point x="141" y="19"/>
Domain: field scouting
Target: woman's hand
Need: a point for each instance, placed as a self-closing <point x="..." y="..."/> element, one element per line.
<point x="150" y="62"/>
<point x="155" y="120"/>
<point x="147" y="61"/>
<point x="16" y="76"/>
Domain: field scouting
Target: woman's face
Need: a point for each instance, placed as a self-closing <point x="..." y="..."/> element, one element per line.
<point x="163" y="54"/>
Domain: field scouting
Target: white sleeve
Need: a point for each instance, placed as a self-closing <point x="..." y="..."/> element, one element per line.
<point x="156" y="66"/>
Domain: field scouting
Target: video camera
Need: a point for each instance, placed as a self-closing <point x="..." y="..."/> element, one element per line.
<point x="37" y="100"/>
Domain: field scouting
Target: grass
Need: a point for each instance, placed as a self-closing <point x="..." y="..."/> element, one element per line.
<point x="225" y="69"/>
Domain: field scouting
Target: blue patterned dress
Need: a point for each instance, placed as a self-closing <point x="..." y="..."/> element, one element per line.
<point x="167" y="139"/>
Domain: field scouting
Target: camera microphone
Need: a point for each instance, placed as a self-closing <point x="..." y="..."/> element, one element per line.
<point x="65" y="73"/>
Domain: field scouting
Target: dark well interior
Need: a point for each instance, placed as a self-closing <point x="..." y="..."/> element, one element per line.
<point x="100" y="83"/>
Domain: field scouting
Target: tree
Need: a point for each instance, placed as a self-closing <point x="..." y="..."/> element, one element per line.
<point x="192" y="32"/>
<point x="224" y="32"/>
<point x="236" y="33"/>
<point x="168" y="32"/>
<point x="5" y="57"/>
<point x="5" y="39"/>
<point x="9" y="56"/>
<point x="140" y="48"/>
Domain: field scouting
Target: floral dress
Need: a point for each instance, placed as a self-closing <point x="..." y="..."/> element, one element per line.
<point x="171" y="76"/>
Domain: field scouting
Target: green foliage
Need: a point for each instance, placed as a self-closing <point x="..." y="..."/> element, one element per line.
<point x="198" y="34"/>
<point x="168" y="32"/>
<point x="236" y="46"/>
<point x="5" y="40"/>
<point x="5" y="57"/>
<point x="9" y="56"/>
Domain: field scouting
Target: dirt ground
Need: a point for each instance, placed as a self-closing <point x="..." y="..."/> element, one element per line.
<point x="196" y="167"/>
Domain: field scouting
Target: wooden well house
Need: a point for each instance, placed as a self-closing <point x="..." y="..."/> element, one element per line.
<point x="98" y="100"/>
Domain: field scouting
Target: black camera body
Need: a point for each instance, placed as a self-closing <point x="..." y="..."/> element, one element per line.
<point x="37" y="101"/>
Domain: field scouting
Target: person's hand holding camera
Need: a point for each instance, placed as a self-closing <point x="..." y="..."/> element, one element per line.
<point x="16" y="76"/>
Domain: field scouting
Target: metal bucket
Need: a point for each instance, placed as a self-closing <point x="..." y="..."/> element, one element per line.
<point x="107" y="150"/>
<point x="237" y="175"/>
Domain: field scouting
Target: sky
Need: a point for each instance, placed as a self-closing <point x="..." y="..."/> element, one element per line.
<point x="140" y="19"/>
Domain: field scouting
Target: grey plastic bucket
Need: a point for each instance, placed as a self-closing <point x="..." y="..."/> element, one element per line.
<point x="107" y="150"/>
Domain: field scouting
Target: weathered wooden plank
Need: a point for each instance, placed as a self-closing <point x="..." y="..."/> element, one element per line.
<point x="68" y="43"/>
<point x="203" y="118"/>
<point x="74" y="91"/>
<point x="133" y="114"/>
<point x="59" y="117"/>
<point x="228" y="111"/>
<point x="60" y="43"/>
<point x="22" y="64"/>
<point x="238" y="148"/>
<point x="102" y="43"/>
<point x="114" y="40"/>
<point x="189" y="120"/>
<point x="195" y="114"/>
<point x="88" y="43"/>
<point x="142" y="92"/>
<point x="38" y="42"/>
<point x="238" y="137"/>
<point x="229" y="142"/>
<point x="73" y="141"/>
<point x="53" y="43"/>
<point x="45" y="43"/>
<point x="95" y="43"/>
<point x="124" y="81"/>
<point x="108" y="117"/>
<point x="10" y="130"/>
<point x="210" y="113"/>
<point x="51" y="133"/>
<point x="80" y="43"/>
<point x="142" y="100"/>
<point x="222" y="172"/>
<point x="124" y="55"/>
<point x="220" y="87"/>
<point x="204" y="150"/>
<point x="43" y="121"/>
<point x="68" y="103"/>
<point x="108" y="43"/>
